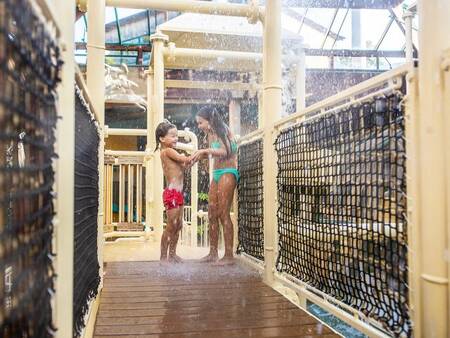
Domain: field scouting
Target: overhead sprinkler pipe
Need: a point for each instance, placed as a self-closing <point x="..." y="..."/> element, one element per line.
<point x="250" y="11"/>
<point x="173" y="52"/>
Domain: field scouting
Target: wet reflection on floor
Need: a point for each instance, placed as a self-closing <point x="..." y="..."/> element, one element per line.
<point x="196" y="300"/>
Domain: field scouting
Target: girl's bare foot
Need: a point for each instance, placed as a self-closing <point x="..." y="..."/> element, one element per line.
<point x="210" y="258"/>
<point x="163" y="262"/>
<point x="225" y="261"/>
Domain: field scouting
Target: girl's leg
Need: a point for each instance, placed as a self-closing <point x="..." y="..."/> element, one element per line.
<point x="225" y="193"/>
<point x="169" y="232"/>
<point x="174" y="241"/>
<point x="213" y="224"/>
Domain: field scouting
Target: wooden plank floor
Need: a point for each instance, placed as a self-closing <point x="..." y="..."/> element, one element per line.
<point x="143" y="299"/>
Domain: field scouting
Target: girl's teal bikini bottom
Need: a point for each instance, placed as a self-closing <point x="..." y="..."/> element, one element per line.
<point x="217" y="173"/>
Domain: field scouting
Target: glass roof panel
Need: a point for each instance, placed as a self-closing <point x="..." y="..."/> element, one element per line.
<point x="134" y="29"/>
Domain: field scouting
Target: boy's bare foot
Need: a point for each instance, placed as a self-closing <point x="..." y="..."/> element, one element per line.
<point x="225" y="261"/>
<point x="176" y="259"/>
<point x="163" y="261"/>
<point x="210" y="258"/>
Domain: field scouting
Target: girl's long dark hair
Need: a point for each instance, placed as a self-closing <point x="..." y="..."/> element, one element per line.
<point x="211" y="115"/>
<point x="161" y="130"/>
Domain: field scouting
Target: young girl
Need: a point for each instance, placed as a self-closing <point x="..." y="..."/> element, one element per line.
<point x="223" y="150"/>
<point x="173" y="165"/>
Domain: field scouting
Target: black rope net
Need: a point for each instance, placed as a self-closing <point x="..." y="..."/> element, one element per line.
<point x="29" y="74"/>
<point x="250" y="200"/>
<point x="342" y="203"/>
<point x="86" y="266"/>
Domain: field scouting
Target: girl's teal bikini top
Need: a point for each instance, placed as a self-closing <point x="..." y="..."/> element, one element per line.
<point x="216" y="145"/>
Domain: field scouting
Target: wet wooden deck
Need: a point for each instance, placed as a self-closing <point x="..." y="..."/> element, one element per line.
<point x="142" y="299"/>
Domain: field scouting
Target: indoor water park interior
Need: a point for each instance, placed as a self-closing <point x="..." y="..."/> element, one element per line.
<point x="224" y="168"/>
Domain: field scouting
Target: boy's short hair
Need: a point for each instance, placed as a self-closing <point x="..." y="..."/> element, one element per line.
<point x="162" y="129"/>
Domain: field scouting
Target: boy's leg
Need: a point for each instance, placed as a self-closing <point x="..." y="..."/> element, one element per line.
<point x="174" y="241"/>
<point x="169" y="233"/>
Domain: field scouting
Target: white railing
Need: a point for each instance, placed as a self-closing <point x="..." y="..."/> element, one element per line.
<point x="377" y="87"/>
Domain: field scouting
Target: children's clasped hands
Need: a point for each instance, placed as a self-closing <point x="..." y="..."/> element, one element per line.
<point x="195" y="157"/>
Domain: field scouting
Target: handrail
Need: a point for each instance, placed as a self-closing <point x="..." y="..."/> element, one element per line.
<point x="83" y="87"/>
<point x="351" y="94"/>
<point x="251" y="136"/>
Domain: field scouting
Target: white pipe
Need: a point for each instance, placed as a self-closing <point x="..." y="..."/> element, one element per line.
<point x="158" y="41"/>
<point x="408" y="17"/>
<point x="192" y="6"/>
<point x="121" y="192"/>
<point x="124" y="132"/>
<point x="96" y="86"/>
<point x="125" y="153"/>
<point x="124" y="234"/>
<point x="194" y="188"/>
<point x="64" y="176"/>
<point x="150" y="147"/>
<point x="271" y="113"/>
<point x="301" y="81"/>
<point x="174" y="52"/>
<point x="433" y="172"/>
<point x="211" y="85"/>
<point x="130" y="187"/>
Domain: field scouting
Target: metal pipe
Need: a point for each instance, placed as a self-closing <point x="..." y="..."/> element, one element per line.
<point x="125" y="153"/>
<point x="408" y="17"/>
<point x="433" y="174"/>
<point x="301" y="82"/>
<point x="121" y="192"/>
<point x="65" y="173"/>
<point x="96" y="87"/>
<point x="158" y="41"/>
<point x="124" y="132"/>
<point x="150" y="147"/>
<point x="192" y="6"/>
<point x="174" y="52"/>
<point x="271" y="113"/>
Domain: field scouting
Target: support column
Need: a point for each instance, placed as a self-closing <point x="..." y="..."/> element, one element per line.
<point x="150" y="147"/>
<point x="300" y="81"/>
<point x="158" y="42"/>
<point x="96" y="87"/>
<point x="271" y="113"/>
<point x="433" y="174"/>
<point x="65" y="174"/>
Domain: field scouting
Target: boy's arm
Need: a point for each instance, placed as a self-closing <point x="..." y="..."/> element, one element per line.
<point x="176" y="156"/>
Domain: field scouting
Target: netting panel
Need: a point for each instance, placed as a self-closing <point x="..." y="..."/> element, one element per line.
<point x="29" y="70"/>
<point x="342" y="204"/>
<point x="250" y="200"/>
<point x="86" y="266"/>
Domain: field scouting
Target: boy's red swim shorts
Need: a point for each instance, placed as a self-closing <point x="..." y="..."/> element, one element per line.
<point x="172" y="198"/>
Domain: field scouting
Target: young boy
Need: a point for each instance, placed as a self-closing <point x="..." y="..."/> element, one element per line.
<point x="173" y="165"/>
